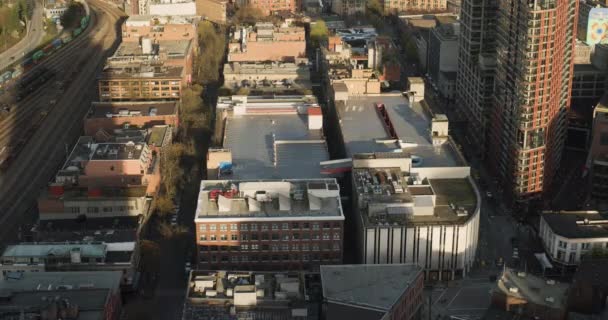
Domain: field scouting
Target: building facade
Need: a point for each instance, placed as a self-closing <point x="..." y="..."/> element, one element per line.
<point x="270" y="6"/>
<point x="269" y="225"/>
<point x="476" y="69"/>
<point x="398" y="6"/>
<point x="532" y="94"/>
<point x="570" y="235"/>
<point x="443" y="57"/>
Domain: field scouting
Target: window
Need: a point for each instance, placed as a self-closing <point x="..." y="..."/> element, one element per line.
<point x="286" y="237"/>
<point x="315" y="226"/>
<point x="223" y="237"/>
<point x="244" y="227"/>
<point x="325" y="236"/>
<point x="285" y="226"/>
<point x="336" y="225"/>
<point x="295" y="225"/>
<point x="92" y="210"/>
<point x="315" y="236"/>
<point x="223" y="227"/>
<point x="275" y="237"/>
<point x="604" y="138"/>
<point x="265" y="247"/>
<point x="305" y="236"/>
<point x="107" y="209"/>
<point x="234" y="237"/>
<point x="274" y="247"/>
<point x="244" y="237"/>
<point x="572" y="257"/>
<point x="573" y="246"/>
<point x="254" y="236"/>
<point x="203" y="238"/>
<point x="265" y="236"/>
<point x="212" y="237"/>
<point x="202" y="227"/>
<point x="560" y="255"/>
<point x="305" y="247"/>
<point x="306" y="225"/>
<point x="254" y="227"/>
<point x="285" y="247"/>
<point x="336" y="247"/>
<point x="336" y="236"/>
<point x="295" y="247"/>
<point x="234" y="259"/>
<point x="295" y="236"/>
<point x="585" y="246"/>
<point x="212" y="227"/>
<point x="234" y="227"/>
<point x="562" y="244"/>
<point x="325" y="225"/>
<point x="75" y="209"/>
<point x="315" y="247"/>
<point x="254" y="247"/>
<point x="264" y="227"/>
<point x="275" y="226"/>
<point x="245" y="247"/>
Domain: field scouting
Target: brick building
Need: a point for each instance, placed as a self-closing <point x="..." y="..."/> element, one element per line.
<point x="269" y="224"/>
<point x="135" y="28"/>
<point x="372" y="292"/>
<point x="270" y="6"/>
<point x="110" y="116"/>
<point x="267" y="42"/>
<point x="142" y="81"/>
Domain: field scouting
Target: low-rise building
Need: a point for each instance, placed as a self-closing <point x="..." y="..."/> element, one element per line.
<point x="413" y="198"/>
<point x="372" y="292"/>
<point x="54" y="9"/>
<point x="267" y="75"/>
<point x="267" y="42"/>
<point x="589" y="288"/>
<point x="597" y="160"/>
<point x="348" y="7"/>
<point x="268" y="138"/>
<point x="270" y="6"/>
<point x="269" y="224"/>
<point x="69" y="256"/>
<point x="160" y="28"/>
<point x="570" y="235"/>
<point x="110" y="116"/>
<point x="212" y="10"/>
<point x="414" y="6"/>
<point x="61" y="295"/>
<point x="251" y="295"/>
<point x="140" y="81"/>
<point x="530" y="296"/>
<point x="172" y="8"/>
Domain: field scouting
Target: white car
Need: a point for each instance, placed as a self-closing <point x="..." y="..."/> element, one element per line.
<point x="488" y="194"/>
<point x="187" y="268"/>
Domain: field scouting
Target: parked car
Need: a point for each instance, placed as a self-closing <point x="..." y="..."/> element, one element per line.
<point x="489" y="194"/>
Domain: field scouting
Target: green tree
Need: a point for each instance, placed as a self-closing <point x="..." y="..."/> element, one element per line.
<point x="163" y="205"/>
<point x="318" y="33"/>
<point x="171" y="169"/>
<point x="247" y="15"/>
<point x="71" y="17"/>
<point x="149" y="253"/>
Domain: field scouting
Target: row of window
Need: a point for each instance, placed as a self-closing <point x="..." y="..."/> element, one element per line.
<point x="275" y="247"/>
<point x="584" y="246"/>
<point x="102" y="209"/>
<point x="273" y="237"/>
<point x="270" y="258"/>
<point x="266" y="226"/>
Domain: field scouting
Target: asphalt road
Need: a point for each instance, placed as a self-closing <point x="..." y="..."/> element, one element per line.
<point x="33" y="37"/>
<point x="45" y="151"/>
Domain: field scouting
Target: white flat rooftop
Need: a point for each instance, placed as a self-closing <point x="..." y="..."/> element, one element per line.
<point x="363" y="130"/>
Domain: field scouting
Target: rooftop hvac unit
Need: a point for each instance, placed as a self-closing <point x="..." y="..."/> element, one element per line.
<point x="550" y="299"/>
<point x="514" y="289"/>
<point x="551" y="282"/>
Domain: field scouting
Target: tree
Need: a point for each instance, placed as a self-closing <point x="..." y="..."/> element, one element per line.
<point x="149" y="252"/>
<point x="374" y="7"/>
<point x="247" y="15"/>
<point x="318" y="33"/>
<point x="213" y="46"/>
<point x="171" y="169"/>
<point x="71" y="17"/>
<point x="163" y="205"/>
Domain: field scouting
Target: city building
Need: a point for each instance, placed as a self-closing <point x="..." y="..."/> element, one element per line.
<point x="107" y="117"/>
<point x="269" y="224"/>
<point x="589" y="288"/>
<point x="267" y="76"/>
<point x="597" y="160"/>
<point x="61" y="295"/>
<point x="252" y="295"/>
<point x="413" y="198"/>
<point x="476" y="69"/>
<point x="443" y="58"/>
<point x="140" y="81"/>
<point x="592" y="21"/>
<point x="530" y="296"/>
<point x="212" y="10"/>
<point x="268" y="138"/>
<point x="54" y="9"/>
<point x="532" y="95"/>
<point x="414" y="6"/>
<point x="159" y="28"/>
<point x="171" y="8"/>
<point x="270" y="6"/>
<point x="267" y="42"/>
<point x="372" y="292"/>
<point x="348" y="7"/>
<point x="28" y="257"/>
<point x="570" y="235"/>
<point x="107" y="179"/>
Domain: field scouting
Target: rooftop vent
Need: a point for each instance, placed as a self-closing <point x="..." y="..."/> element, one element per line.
<point x="514" y="289"/>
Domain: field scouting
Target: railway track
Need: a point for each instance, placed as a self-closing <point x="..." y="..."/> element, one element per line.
<point x="45" y="150"/>
<point x="65" y="64"/>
